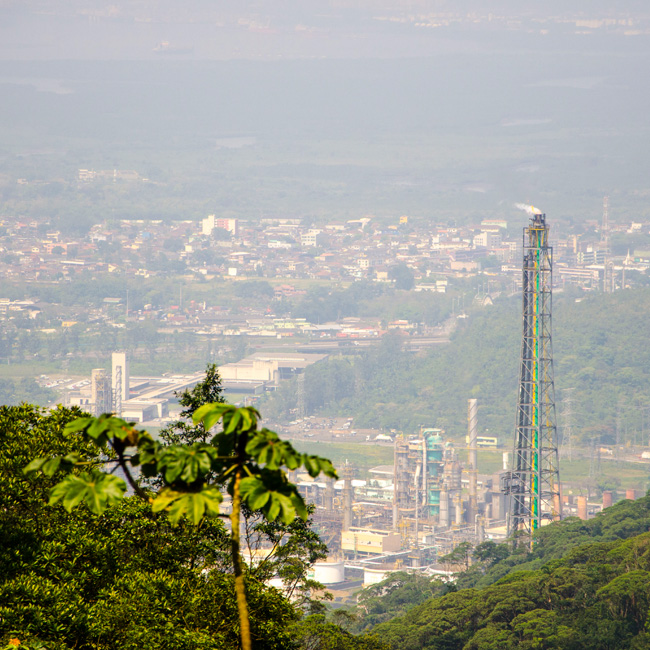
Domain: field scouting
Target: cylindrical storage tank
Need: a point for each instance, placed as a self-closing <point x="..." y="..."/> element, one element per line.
<point x="607" y="499"/>
<point x="630" y="494"/>
<point x="582" y="507"/>
<point x="373" y="576"/>
<point x="329" y="573"/>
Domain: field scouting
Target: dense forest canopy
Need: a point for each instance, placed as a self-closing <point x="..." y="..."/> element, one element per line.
<point x="586" y="585"/>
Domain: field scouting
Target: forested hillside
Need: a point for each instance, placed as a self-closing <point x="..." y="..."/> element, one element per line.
<point x="590" y="590"/>
<point x="132" y="577"/>
<point x="122" y="579"/>
<point x="598" y="352"/>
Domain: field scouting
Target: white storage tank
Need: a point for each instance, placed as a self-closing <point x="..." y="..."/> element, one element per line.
<point x="373" y="576"/>
<point x="328" y="573"/>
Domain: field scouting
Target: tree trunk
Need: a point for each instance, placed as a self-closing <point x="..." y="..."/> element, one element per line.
<point x="240" y="588"/>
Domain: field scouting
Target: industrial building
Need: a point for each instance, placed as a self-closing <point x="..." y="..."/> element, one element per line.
<point x="415" y="510"/>
<point x="142" y="399"/>
<point x="263" y="371"/>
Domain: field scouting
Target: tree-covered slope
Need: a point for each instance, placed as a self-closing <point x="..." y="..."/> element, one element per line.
<point x="599" y="352"/>
<point x="591" y="590"/>
<point x="553" y="542"/>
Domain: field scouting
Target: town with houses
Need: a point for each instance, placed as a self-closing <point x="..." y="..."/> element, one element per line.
<point x="275" y="262"/>
<point x="288" y="249"/>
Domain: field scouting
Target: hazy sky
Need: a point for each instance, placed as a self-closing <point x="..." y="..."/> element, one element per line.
<point x="421" y="107"/>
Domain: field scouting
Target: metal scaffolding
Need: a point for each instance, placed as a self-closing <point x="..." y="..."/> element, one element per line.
<point x="101" y="392"/>
<point x="534" y="482"/>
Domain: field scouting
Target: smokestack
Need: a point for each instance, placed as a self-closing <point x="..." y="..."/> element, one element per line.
<point x="607" y="499"/>
<point x="630" y="494"/>
<point x="472" y="410"/>
<point x="479" y="529"/>
<point x="348" y="496"/>
<point x="557" y="502"/>
<point x="328" y="500"/>
<point x="582" y="507"/>
<point x="505" y="460"/>
<point x="444" y="509"/>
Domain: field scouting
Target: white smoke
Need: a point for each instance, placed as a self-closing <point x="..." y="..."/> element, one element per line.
<point x="530" y="209"/>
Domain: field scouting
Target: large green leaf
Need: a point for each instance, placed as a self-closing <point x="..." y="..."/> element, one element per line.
<point x="185" y="463"/>
<point x="35" y="465"/>
<point x="254" y="493"/>
<point x="210" y="414"/>
<point x="80" y="424"/>
<point x="49" y="466"/>
<point x="315" y="465"/>
<point x="193" y="505"/>
<point x="96" y="490"/>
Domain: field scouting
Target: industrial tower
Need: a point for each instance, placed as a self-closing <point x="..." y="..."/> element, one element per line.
<point x="534" y="482"/>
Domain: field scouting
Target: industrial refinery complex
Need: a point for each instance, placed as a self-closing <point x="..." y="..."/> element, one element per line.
<point x="408" y="515"/>
<point x="411" y="514"/>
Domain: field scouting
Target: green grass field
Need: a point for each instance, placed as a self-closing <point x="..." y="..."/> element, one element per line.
<point x="361" y="456"/>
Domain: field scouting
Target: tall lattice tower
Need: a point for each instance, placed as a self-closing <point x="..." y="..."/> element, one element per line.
<point x="534" y="482"/>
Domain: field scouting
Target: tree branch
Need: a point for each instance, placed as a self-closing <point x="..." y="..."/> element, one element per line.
<point x="127" y="473"/>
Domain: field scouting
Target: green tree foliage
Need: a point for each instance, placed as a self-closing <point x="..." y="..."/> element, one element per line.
<point x="292" y="549"/>
<point x="221" y="234"/>
<point x="459" y="557"/>
<point x="403" y="277"/>
<point x="489" y="552"/>
<point x="495" y="561"/>
<point x="118" y="579"/>
<point x="248" y="462"/>
<point x="584" y="586"/>
<point x="205" y="392"/>
<point x="372" y="300"/>
<point x="322" y="305"/>
<point x="393" y="597"/>
<point x="253" y="289"/>
<point x="318" y="633"/>
<point x="129" y="578"/>
<point x="15" y="391"/>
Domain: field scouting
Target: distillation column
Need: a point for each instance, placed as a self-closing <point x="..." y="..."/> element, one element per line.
<point x="348" y="496"/>
<point x="534" y="482"/>
<point x="472" y="434"/>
